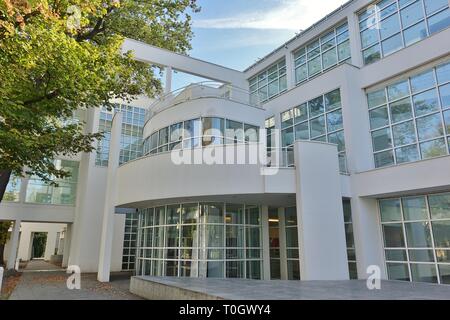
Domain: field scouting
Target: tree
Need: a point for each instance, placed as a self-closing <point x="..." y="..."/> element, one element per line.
<point x="4" y="227"/>
<point x="57" y="56"/>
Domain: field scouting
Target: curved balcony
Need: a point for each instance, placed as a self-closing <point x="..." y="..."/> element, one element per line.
<point x="206" y="89"/>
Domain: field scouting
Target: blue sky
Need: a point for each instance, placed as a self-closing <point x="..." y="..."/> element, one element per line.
<point x="235" y="33"/>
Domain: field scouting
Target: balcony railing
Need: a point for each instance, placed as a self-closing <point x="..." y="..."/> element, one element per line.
<point x="207" y="89"/>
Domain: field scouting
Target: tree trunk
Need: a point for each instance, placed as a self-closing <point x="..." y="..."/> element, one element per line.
<point x="2" y="249"/>
<point x="4" y="179"/>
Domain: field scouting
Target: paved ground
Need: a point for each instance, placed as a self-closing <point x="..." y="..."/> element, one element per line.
<point x="51" y="285"/>
<point x="238" y="289"/>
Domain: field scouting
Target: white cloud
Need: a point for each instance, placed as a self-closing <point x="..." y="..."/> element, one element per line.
<point x="288" y="15"/>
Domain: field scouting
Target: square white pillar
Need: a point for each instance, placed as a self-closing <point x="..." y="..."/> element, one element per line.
<point x="106" y="244"/>
<point x="323" y="249"/>
<point x="67" y="241"/>
<point x="14" y="245"/>
<point x="265" y="242"/>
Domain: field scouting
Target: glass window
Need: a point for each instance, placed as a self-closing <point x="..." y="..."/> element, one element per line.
<point x="332" y="100"/>
<point x="429" y="127"/>
<point x="287" y="137"/>
<point x="316" y="106"/>
<point x="372" y="54"/>
<point x="415" y="33"/>
<point x="395" y="255"/>
<point x="424" y="273"/>
<point x="393" y="235"/>
<point x="381" y="140"/>
<point x="301" y="113"/>
<point x="317" y="126"/>
<point x="407" y="154"/>
<point x="398" y="271"/>
<point x="412" y="14"/>
<point x="173" y="214"/>
<point x="398" y="90"/>
<point x="433" y="148"/>
<point x="212" y="131"/>
<point x="415" y="208"/>
<point x="392" y="44"/>
<point x="334" y="120"/>
<point x="234" y="132"/>
<point x="376" y="98"/>
<point x="404" y="133"/>
<point x="445" y="96"/>
<point x="390" y="210"/>
<point x="439" y="21"/>
<point x="426" y="102"/>
<point x="418" y="234"/>
<point x="369" y="37"/>
<point x="329" y="58"/>
<point x="379" y="117"/>
<point x="423" y="81"/>
<point x="443" y="73"/>
<point x="441" y="233"/>
<point x="440" y="206"/>
<point x="234" y="214"/>
<point x="384" y="159"/>
<point x="401" y="110"/>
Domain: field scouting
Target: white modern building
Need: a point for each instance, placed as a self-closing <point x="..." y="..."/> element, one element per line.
<point x="354" y="115"/>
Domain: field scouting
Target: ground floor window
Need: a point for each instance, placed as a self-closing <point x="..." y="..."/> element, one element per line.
<point x="215" y="240"/>
<point x="351" y="252"/>
<point x="416" y="232"/>
<point x="129" y="242"/>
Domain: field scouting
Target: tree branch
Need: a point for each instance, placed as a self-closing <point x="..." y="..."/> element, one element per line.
<point x="50" y="95"/>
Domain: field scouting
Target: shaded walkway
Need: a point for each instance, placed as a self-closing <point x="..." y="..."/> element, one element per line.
<point x="41" y="265"/>
<point x="37" y="285"/>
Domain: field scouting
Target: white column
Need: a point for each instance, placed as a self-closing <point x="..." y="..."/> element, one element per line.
<point x="104" y="266"/>
<point x="23" y="189"/>
<point x="67" y="241"/>
<point x="321" y="232"/>
<point x="14" y="245"/>
<point x="355" y="42"/>
<point x="282" y="235"/>
<point x="265" y="242"/>
<point x="168" y="84"/>
<point x="368" y="237"/>
<point x="290" y="70"/>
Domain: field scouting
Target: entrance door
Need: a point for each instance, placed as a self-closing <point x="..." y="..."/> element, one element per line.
<point x="38" y="246"/>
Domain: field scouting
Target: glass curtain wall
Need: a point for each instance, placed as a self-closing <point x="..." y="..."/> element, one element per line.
<point x="201" y="132"/>
<point x="410" y="119"/>
<point x="268" y="83"/>
<point x="213" y="240"/>
<point x="319" y="119"/>
<point x="390" y="25"/>
<point x="322" y="53"/>
<point x="416" y="233"/>
<point x="12" y="192"/>
<point x="41" y="192"/>
<point x="130" y="138"/>
<point x="130" y="242"/>
<point x="351" y="252"/>
<point x="292" y="253"/>
<point x="274" y="244"/>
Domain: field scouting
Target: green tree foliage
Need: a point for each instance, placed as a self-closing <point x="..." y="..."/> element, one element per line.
<point x="57" y="56"/>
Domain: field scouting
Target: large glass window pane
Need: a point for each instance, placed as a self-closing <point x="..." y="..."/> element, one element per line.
<point x="337" y="138"/>
<point x="314" y="66"/>
<point x="447" y="121"/>
<point x="393" y="235"/>
<point x="293" y="267"/>
<point x="423" y="81"/>
<point x="329" y="58"/>
<point x="172" y="237"/>
<point x="344" y="50"/>
<point x="213" y="129"/>
<point x="440" y="206"/>
<point x="302" y="131"/>
<point x="12" y="189"/>
<point x="439" y="21"/>
<point x="252" y="237"/>
<point x="334" y="120"/>
<point x="301" y="113"/>
<point x="401" y="110"/>
<point x="234" y="236"/>
<point x="252" y="215"/>
<point x="412" y="14"/>
<point x="421" y="255"/>
<point x="445" y="96"/>
<point x="404" y="133"/>
<point x="381" y="139"/>
<point x="392" y="44"/>
<point x="316" y="107"/>
<point x="395" y="255"/>
<point x="253" y="270"/>
<point x="444" y="272"/>
<point x="430" y="127"/>
<point x="291" y="237"/>
<point x="390" y="210"/>
<point x="432" y="6"/>
<point x="426" y="102"/>
<point x="317" y="126"/>
<point x="418" y="234"/>
<point x="189" y="213"/>
<point x="234" y="214"/>
<point x="213" y="213"/>
<point x="415" y="33"/>
<point x="372" y="54"/>
<point x="291" y="216"/>
<point x="424" y="273"/>
<point x="384" y="159"/>
<point x="415" y="208"/>
<point x="390" y="26"/>
<point x="376" y="98"/>
<point x="214" y="236"/>
<point x="369" y="37"/>
<point x="251" y="133"/>
<point x="407" y="154"/>
<point x="287" y="137"/>
<point x="234" y="132"/>
<point x="398" y="90"/>
<point x="215" y="269"/>
<point x="441" y="234"/>
<point x="173" y="214"/>
<point x="333" y="100"/>
<point x="189" y="236"/>
<point x="379" y="117"/>
<point x="443" y="73"/>
<point x="301" y="73"/>
<point x="287" y="119"/>
<point x="398" y="271"/>
<point x="235" y="269"/>
<point x="433" y="148"/>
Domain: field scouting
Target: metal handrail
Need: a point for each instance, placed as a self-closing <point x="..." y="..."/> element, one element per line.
<point x="203" y="89"/>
